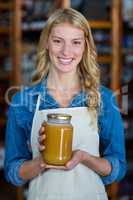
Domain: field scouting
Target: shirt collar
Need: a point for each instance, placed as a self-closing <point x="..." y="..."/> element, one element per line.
<point x="46" y="99"/>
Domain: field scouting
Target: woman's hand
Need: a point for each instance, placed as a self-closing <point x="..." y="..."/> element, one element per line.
<point x="97" y="164"/>
<point x="41" y="139"/>
<point x="76" y="156"/>
<point x="75" y="160"/>
<point x="31" y="168"/>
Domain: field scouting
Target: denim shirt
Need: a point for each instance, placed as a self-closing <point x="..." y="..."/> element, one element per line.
<point x="18" y="130"/>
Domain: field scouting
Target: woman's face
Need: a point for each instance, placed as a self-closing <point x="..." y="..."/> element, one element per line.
<point x="66" y="46"/>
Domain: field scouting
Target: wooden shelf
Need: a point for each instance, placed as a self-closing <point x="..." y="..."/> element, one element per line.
<point x="100" y="24"/>
<point x="5" y="6"/>
<point x="5" y="29"/>
<point x="4" y="51"/>
<point x="104" y="59"/>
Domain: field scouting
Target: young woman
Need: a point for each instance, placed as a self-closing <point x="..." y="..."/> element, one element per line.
<point x="67" y="80"/>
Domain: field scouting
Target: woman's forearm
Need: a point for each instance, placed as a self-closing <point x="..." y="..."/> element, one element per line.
<point x="97" y="164"/>
<point x="30" y="169"/>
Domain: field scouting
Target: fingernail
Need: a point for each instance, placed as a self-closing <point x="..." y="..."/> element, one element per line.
<point x="43" y="147"/>
<point x="42" y="164"/>
<point x="68" y="164"/>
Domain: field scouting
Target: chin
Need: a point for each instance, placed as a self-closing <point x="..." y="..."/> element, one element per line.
<point x="66" y="70"/>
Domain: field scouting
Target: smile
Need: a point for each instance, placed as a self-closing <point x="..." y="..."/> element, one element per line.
<point x="65" y="61"/>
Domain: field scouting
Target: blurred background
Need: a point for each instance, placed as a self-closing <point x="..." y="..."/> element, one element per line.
<point x="21" y="22"/>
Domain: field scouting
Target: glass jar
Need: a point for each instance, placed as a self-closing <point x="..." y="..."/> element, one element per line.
<point x="58" y="142"/>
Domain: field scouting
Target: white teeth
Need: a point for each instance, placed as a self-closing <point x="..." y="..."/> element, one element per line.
<point x="65" y="60"/>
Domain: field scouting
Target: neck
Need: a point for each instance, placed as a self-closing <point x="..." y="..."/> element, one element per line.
<point x="61" y="81"/>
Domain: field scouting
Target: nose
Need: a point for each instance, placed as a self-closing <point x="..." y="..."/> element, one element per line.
<point x="66" y="49"/>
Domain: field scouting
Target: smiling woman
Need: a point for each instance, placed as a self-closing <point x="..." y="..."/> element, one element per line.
<point x="67" y="81"/>
<point x="66" y="46"/>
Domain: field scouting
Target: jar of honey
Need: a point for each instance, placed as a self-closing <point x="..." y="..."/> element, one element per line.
<point x="58" y="142"/>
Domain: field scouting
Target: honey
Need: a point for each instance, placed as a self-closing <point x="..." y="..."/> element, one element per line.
<point x="58" y="142"/>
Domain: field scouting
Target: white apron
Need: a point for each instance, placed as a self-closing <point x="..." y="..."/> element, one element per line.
<point x="80" y="183"/>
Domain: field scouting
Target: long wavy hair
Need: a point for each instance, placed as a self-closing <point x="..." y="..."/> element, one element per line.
<point x="88" y="67"/>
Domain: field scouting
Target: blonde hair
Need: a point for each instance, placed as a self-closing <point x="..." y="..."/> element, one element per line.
<point x="88" y="68"/>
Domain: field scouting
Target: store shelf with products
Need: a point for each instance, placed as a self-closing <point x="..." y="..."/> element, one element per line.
<point x="32" y="15"/>
<point x="10" y="51"/>
<point x="127" y="83"/>
<point x="9" y="75"/>
<point x="127" y="68"/>
<point x="4" y="56"/>
<point x="35" y="13"/>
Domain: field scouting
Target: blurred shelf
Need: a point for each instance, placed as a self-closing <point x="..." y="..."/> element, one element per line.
<point x="38" y="25"/>
<point x="100" y="24"/>
<point x="127" y="50"/>
<point x="130" y="166"/>
<point x="4" y="29"/>
<point x="33" y="26"/>
<point x="129" y="115"/>
<point x="129" y="136"/>
<point x="4" y="51"/>
<point x="1" y="144"/>
<point x="2" y="100"/>
<point x="104" y="59"/>
<point x="5" y="76"/>
<point x="5" y="6"/>
<point x="2" y="121"/>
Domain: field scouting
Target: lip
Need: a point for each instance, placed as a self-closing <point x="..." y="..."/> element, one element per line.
<point x="65" y="61"/>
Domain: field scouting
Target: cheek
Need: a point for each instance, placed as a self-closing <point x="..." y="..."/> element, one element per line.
<point x="54" y="51"/>
<point x="79" y="53"/>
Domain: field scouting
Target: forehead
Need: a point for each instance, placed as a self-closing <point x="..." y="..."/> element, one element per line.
<point x="67" y="29"/>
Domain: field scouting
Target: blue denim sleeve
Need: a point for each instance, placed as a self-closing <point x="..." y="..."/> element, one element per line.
<point x="112" y="139"/>
<point x="16" y="149"/>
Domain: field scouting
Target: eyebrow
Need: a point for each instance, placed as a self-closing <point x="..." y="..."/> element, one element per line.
<point x="79" y="38"/>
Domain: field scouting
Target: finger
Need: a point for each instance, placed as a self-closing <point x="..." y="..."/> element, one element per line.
<point x="41" y="138"/>
<point x="72" y="163"/>
<point x="41" y="131"/>
<point x="55" y="167"/>
<point x="43" y="165"/>
<point x="41" y="148"/>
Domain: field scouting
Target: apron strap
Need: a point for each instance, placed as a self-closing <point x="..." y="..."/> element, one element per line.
<point x="38" y="102"/>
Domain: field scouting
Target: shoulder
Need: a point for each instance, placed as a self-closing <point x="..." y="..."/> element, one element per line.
<point x="108" y="97"/>
<point x="23" y="104"/>
<point x="106" y="93"/>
